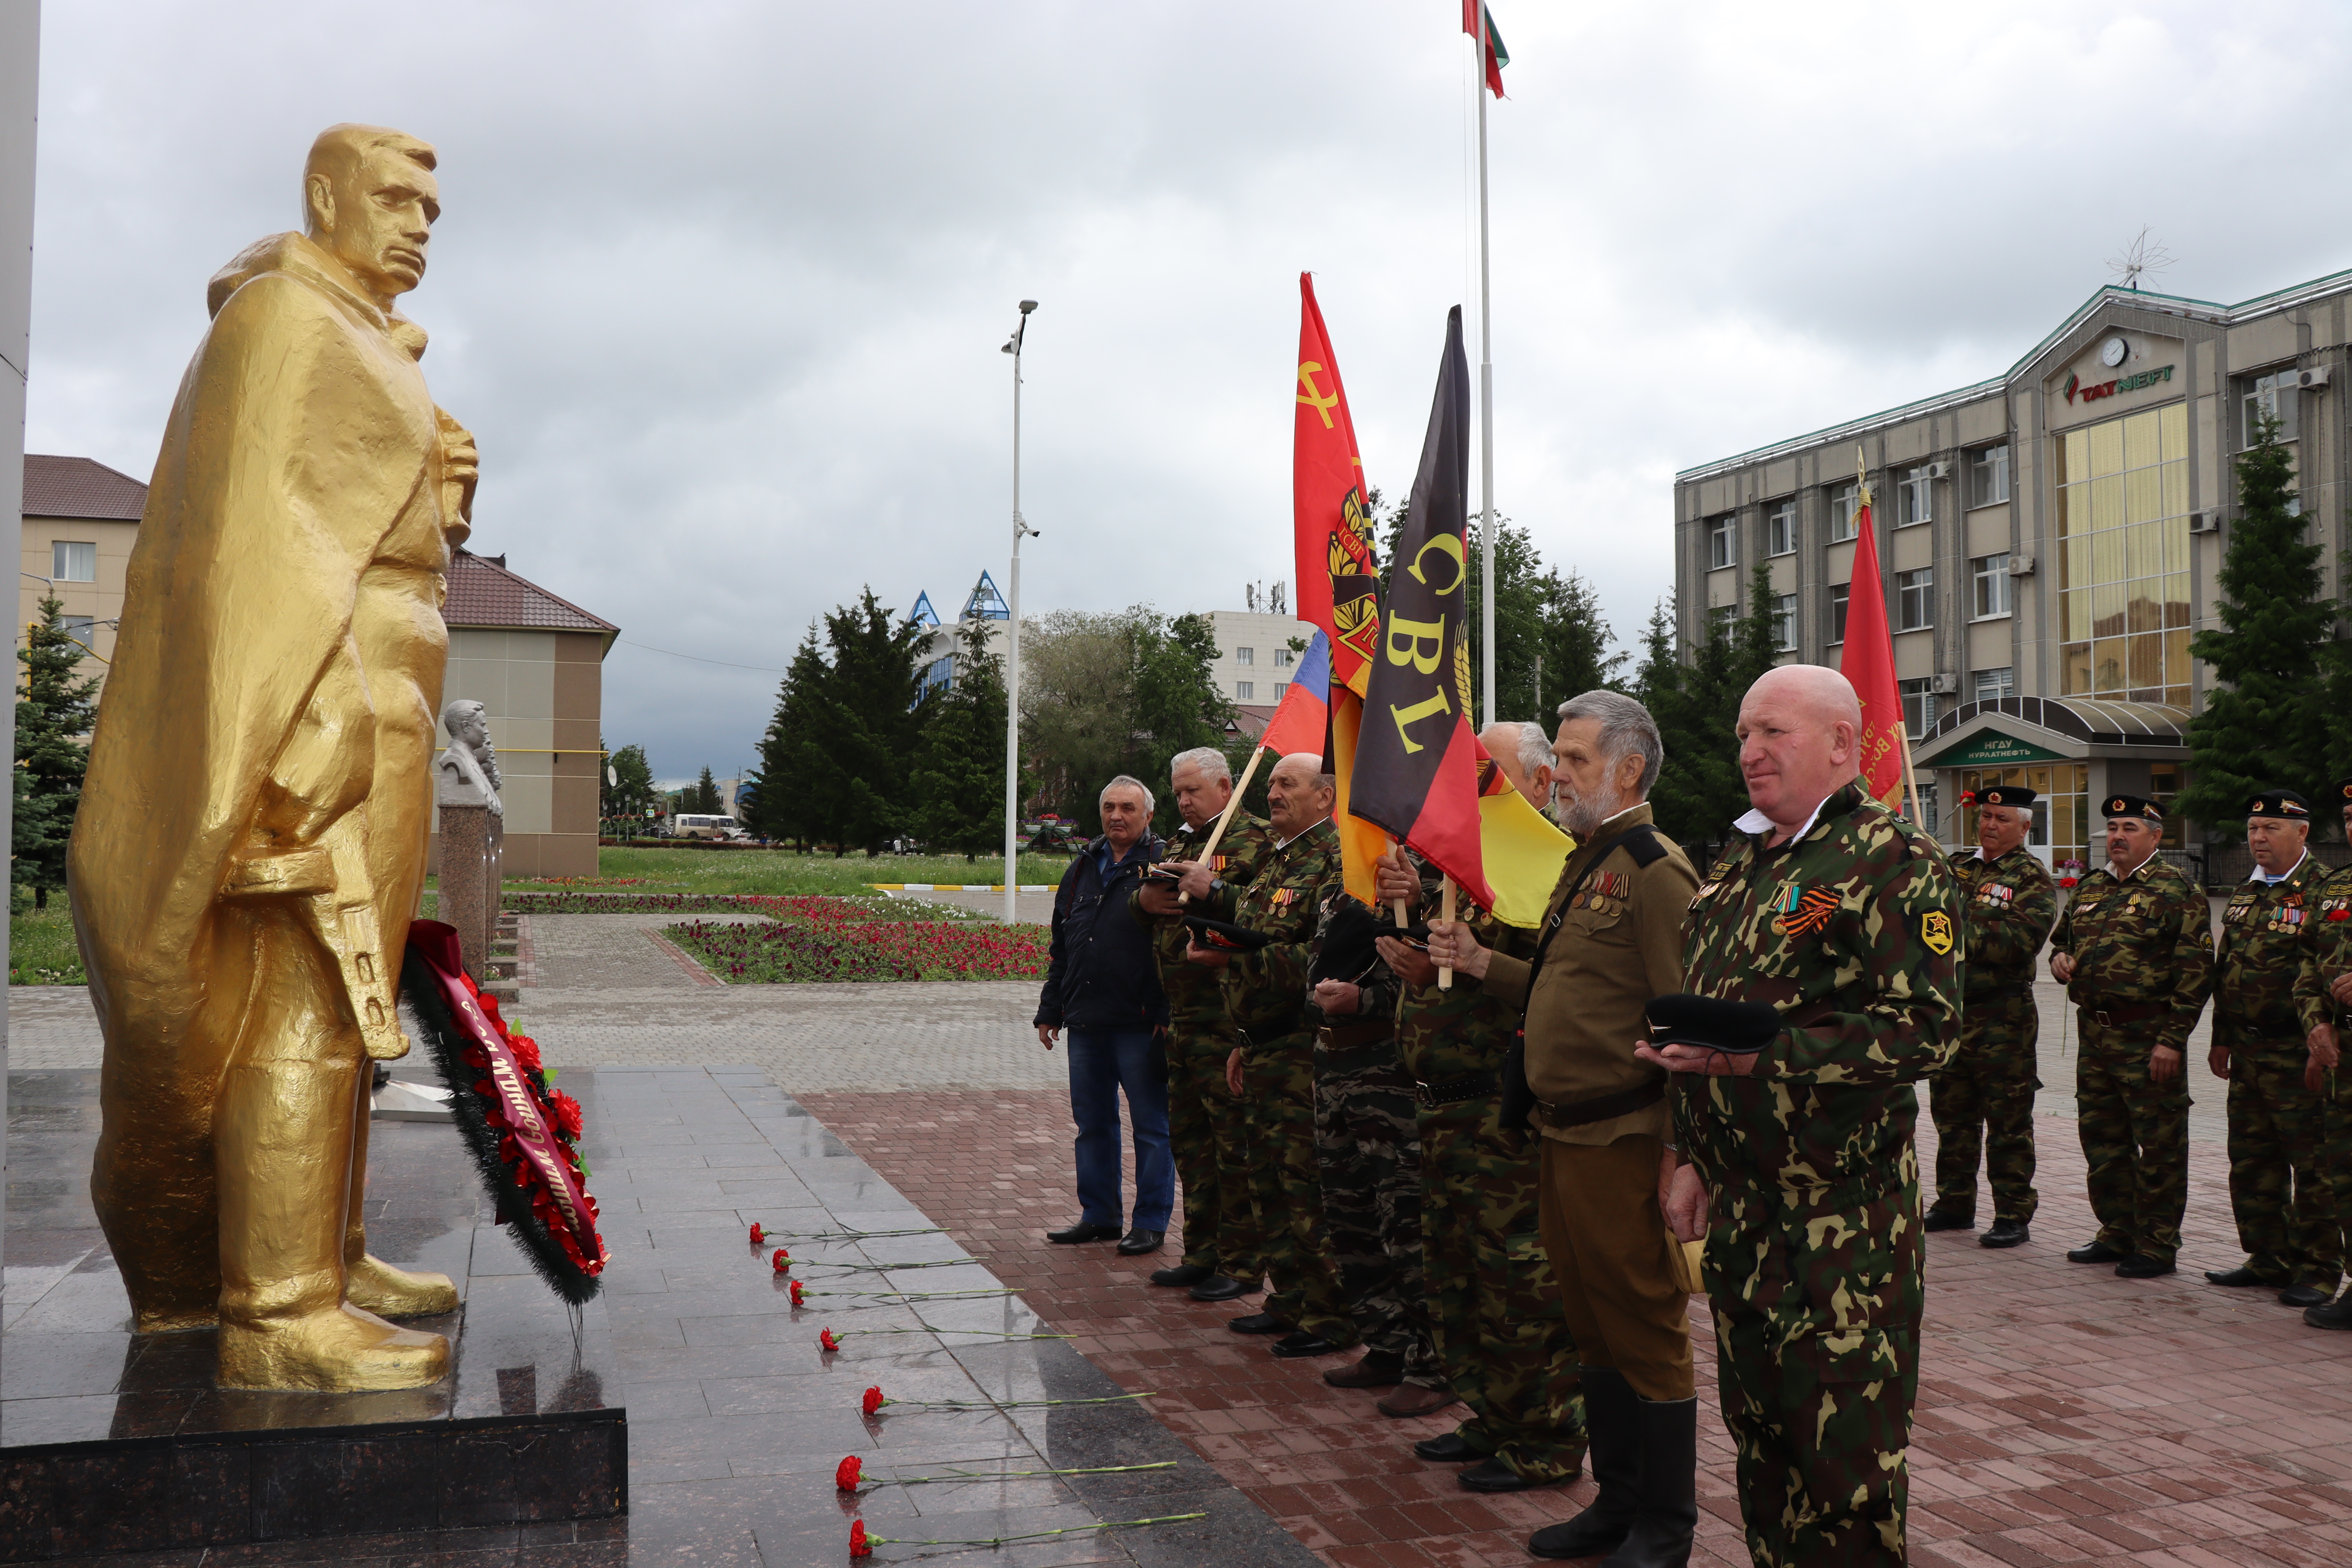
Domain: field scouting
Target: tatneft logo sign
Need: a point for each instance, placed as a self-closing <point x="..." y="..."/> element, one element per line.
<point x="2091" y="391"/>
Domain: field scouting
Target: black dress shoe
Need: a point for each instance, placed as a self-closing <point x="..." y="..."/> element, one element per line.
<point x="2006" y="1233"/>
<point x="2140" y="1266"/>
<point x="1182" y="1274"/>
<point x="2336" y="1314"/>
<point x="1446" y="1448"/>
<point x="2097" y="1252"/>
<point x="2304" y="1296"/>
<point x="1379" y="1369"/>
<point x="1260" y="1323"/>
<point x="2241" y="1278"/>
<point x="1218" y="1287"/>
<point x="1082" y="1231"/>
<point x="1140" y="1241"/>
<point x="1299" y="1344"/>
<point x="1944" y="1219"/>
<point x="1494" y="1476"/>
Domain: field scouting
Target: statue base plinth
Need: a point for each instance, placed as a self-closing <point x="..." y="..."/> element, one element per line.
<point x="116" y="1442"/>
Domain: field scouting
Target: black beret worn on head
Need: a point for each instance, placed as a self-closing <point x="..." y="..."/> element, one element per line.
<point x="2344" y="791"/>
<point x="1735" y="1028"/>
<point x="2006" y="795"/>
<point x="2132" y="805"/>
<point x="2283" y="803"/>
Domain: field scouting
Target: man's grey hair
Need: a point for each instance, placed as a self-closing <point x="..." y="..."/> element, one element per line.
<point x="1535" y="749"/>
<point x="1126" y="782"/>
<point x="1626" y="729"/>
<point x="1208" y="759"/>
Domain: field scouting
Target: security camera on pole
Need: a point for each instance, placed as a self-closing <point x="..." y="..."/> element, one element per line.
<point x="1012" y="662"/>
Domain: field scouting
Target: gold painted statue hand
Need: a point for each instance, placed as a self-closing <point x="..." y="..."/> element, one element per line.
<point x="461" y="469"/>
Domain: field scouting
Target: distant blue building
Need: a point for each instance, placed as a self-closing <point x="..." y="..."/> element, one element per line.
<point x="943" y="646"/>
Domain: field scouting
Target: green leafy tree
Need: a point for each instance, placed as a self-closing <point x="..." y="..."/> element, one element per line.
<point x="55" y="709"/>
<point x="1109" y="694"/>
<point x="2264" y="725"/>
<point x="631" y="789"/>
<point x="958" y="778"/>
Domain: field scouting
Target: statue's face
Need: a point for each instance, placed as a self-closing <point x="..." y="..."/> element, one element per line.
<point x="472" y="729"/>
<point x="376" y="217"/>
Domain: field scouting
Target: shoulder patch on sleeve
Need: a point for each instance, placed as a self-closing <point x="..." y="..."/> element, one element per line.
<point x="1936" y="931"/>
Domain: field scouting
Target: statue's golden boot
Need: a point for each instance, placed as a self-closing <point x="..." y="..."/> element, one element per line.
<point x="374" y="1285"/>
<point x="340" y="1350"/>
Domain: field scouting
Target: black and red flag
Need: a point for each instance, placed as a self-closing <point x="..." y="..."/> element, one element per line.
<point x="1417" y="766"/>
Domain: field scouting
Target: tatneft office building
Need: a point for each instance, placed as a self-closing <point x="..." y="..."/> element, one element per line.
<point x="2049" y="540"/>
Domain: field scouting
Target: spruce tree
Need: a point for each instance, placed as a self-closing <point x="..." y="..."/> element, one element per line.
<point x="1700" y="791"/>
<point x="2265" y="723"/>
<point x="1575" y="645"/>
<point x="55" y="710"/>
<point x="957" y="783"/>
<point x="706" y="791"/>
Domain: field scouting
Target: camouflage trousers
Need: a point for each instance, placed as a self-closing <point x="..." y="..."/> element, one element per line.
<point x="2135" y="1135"/>
<point x="1982" y="1102"/>
<point x="2285" y="1212"/>
<point x="1817" y="1310"/>
<point x="2336" y="1149"/>
<point x="1206" y="1131"/>
<point x="1370" y="1151"/>
<point x="1286" y="1187"/>
<point x="1496" y="1303"/>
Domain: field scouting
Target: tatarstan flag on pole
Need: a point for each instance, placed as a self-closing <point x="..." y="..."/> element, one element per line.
<point x="1868" y="664"/>
<point x="1339" y="588"/>
<point x="1417" y="774"/>
<point x="1497" y="56"/>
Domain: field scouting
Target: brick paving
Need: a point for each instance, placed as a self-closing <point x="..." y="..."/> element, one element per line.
<point x="2063" y="1416"/>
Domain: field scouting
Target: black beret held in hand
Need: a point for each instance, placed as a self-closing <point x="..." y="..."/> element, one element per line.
<point x="1223" y="936"/>
<point x="1735" y="1028"/>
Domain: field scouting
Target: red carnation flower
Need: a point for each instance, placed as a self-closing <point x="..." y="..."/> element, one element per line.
<point x="567" y="1116"/>
<point x="2066" y="881"/>
<point x="781" y="1262"/>
<point x="873" y="1400"/>
<point x="526" y="1050"/>
<point x="757" y="1236"/>
<point x="846" y="1475"/>
<point x="489" y="1005"/>
<point x="796" y="1292"/>
<point x="858" y="1546"/>
<point x="824" y="1338"/>
<point x="2339" y="914"/>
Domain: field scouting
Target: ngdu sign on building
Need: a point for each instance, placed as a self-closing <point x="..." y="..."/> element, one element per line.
<point x="2049" y="539"/>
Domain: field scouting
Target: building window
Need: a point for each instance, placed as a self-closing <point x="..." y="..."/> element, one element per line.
<point x="1914" y="498"/>
<point x="1721" y="618"/>
<point x="1842" y="501"/>
<point x="1723" y="541"/>
<point x="1284" y="659"/>
<point x="1839" y="597"/>
<point x="73" y="561"/>
<point x="1245" y="655"/>
<point x="1244" y="690"/>
<point x="1279" y="688"/>
<point x="1923" y="807"/>
<point x="1989" y="576"/>
<point x="81" y="629"/>
<point x="2274" y="396"/>
<point x="1914" y="599"/>
<point x="1996" y="685"/>
<point x="1784" y="622"/>
<point x="1988" y="476"/>
<point x="1919" y="706"/>
<point x="2122" y="558"/>
<point x="1780" y="529"/>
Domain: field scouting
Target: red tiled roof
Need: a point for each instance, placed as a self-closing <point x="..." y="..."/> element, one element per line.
<point x="483" y="592"/>
<point x="78" y="487"/>
<point x="1251" y="719"/>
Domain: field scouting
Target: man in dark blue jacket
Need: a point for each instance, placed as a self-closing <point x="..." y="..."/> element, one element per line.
<point x="1104" y="986"/>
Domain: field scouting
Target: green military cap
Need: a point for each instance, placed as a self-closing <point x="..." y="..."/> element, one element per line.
<point x="1735" y="1028"/>
<point x="2281" y="803"/>
<point x="2132" y="805"/>
<point x="2006" y="795"/>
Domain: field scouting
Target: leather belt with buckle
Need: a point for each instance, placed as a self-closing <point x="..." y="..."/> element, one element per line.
<point x="1454" y="1090"/>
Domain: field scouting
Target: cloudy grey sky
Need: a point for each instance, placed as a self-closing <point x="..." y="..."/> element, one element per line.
<point x="720" y="286"/>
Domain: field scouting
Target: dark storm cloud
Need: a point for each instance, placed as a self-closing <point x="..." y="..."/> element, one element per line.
<point x="719" y="288"/>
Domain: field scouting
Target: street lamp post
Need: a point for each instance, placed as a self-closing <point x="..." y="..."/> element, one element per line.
<point x="1013" y="673"/>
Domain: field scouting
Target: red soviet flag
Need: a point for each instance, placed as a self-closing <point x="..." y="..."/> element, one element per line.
<point x="1868" y="664"/>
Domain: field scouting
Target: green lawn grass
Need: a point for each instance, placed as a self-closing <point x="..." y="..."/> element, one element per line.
<point x="41" y="948"/>
<point x="785" y="871"/>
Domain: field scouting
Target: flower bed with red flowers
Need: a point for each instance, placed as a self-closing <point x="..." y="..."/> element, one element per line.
<point x="826" y="947"/>
<point x="824" y="910"/>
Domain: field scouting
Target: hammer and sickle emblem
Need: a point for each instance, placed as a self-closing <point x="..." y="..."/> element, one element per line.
<point x="1312" y="397"/>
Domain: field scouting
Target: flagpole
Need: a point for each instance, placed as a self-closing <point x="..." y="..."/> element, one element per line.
<point x="1903" y="726"/>
<point x="1012" y="640"/>
<point x="1209" y="850"/>
<point x="1485" y="394"/>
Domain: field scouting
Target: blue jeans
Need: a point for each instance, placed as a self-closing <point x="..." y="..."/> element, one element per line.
<point x="1103" y="1062"/>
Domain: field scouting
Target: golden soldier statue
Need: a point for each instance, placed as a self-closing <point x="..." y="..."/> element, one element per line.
<point x="251" y="838"/>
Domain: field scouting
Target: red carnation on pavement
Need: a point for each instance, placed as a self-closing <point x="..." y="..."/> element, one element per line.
<point x="858" y="1546"/>
<point x="757" y="1236"/>
<point x="824" y="1338"/>
<point x="845" y="1475"/>
<point x="567" y="1116"/>
<point x="873" y="1400"/>
<point x="783" y="1262"/>
<point x="796" y="1292"/>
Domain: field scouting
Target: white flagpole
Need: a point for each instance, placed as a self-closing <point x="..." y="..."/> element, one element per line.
<point x="1485" y="397"/>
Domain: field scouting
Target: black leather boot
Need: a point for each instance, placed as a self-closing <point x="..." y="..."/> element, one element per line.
<point x="1667" y="1514"/>
<point x="1612" y="1453"/>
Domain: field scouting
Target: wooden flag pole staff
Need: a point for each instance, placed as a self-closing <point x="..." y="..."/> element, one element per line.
<point x="1903" y="728"/>
<point x="1445" y="906"/>
<point x="1232" y="806"/>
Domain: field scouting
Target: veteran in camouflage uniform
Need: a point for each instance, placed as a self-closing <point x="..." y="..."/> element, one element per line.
<point x="1493" y="1300"/>
<point x="1983" y="1097"/>
<point x="1845" y="919"/>
<point x="2323" y="1001"/>
<point x="1205" y="1122"/>
<point x="1272" y="1068"/>
<point x="2134" y="950"/>
<point x="2286" y="1218"/>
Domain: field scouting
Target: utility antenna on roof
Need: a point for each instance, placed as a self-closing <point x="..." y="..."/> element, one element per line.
<point x="2143" y="254"/>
